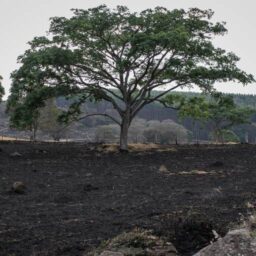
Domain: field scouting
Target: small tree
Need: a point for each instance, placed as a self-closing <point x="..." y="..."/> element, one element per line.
<point x="194" y="107"/>
<point x="136" y="130"/>
<point x="24" y="111"/>
<point x="24" y="118"/>
<point x="227" y="136"/>
<point x="123" y="57"/>
<point x="224" y="114"/>
<point x="48" y="121"/>
<point x="165" y="132"/>
<point x="220" y="112"/>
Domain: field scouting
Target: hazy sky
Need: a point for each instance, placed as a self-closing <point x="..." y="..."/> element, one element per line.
<point x="21" y="20"/>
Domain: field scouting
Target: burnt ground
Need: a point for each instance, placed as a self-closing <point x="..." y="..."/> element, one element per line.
<point x="78" y="196"/>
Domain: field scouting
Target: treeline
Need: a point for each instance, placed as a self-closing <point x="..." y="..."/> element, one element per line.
<point x="196" y="131"/>
<point x="154" y="123"/>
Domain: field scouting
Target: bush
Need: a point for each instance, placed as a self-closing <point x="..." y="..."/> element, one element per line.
<point x="166" y="132"/>
<point x="227" y="136"/>
<point x="107" y="133"/>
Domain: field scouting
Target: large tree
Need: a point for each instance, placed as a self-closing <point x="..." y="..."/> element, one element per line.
<point x="123" y="57"/>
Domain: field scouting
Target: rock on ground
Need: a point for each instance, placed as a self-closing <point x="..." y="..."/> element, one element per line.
<point x="236" y="242"/>
<point x="14" y="154"/>
<point x="18" y="187"/>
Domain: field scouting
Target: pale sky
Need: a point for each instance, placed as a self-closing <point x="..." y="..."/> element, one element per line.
<point x="21" y="20"/>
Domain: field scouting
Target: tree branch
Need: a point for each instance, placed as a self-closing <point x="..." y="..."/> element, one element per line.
<point x="100" y="114"/>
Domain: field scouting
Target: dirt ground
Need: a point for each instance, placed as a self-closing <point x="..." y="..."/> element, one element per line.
<point x="78" y="195"/>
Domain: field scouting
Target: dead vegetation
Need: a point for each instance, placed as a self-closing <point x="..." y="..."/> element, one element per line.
<point x="136" y="242"/>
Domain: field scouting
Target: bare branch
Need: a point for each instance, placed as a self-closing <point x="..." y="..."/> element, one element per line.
<point x="150" y="100"/>
<point x="100" y="114"/>
<point x="166" y="105"/>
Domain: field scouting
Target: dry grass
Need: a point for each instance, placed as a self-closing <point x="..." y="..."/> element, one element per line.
<point x="6" y="138"/>
<point x="138" y="147"/>
<point x="198" y="172"/>
<point x="163" y="169"/>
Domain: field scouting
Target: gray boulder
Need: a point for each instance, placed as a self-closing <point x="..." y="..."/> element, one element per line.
<point x="16" y="154"/>
<point x="238" y="242"/>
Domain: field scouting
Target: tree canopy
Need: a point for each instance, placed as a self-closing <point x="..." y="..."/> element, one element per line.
<point x="219" y="111"/>
<point x="123" y="57"/>
<point x="24" y="107"/>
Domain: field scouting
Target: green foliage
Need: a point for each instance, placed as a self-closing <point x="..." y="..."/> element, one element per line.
<point x="227" y="136"/>
<point x="1" y="89"/>
<point x="48" y="120"/>
<point x="225" y="112"/>
<point x="23" y="118"/>
<point x="122" y="57"/>
<point x="174" y="100"/>
<point x="219" y="110"/>
<point x="24" y="111"/>
<point x="196" y="108"/>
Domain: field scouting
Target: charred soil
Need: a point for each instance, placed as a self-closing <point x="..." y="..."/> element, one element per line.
<point x="77" y="195"/>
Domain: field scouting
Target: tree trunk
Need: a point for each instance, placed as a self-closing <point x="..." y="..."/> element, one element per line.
<point x="34" y="130"/>
<point x="124" y="134"/>
<point x="33" y="135"/>
<point x="217" y="136"/>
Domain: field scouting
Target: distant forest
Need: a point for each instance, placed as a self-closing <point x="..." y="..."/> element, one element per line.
<point x="154" y="123"/>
